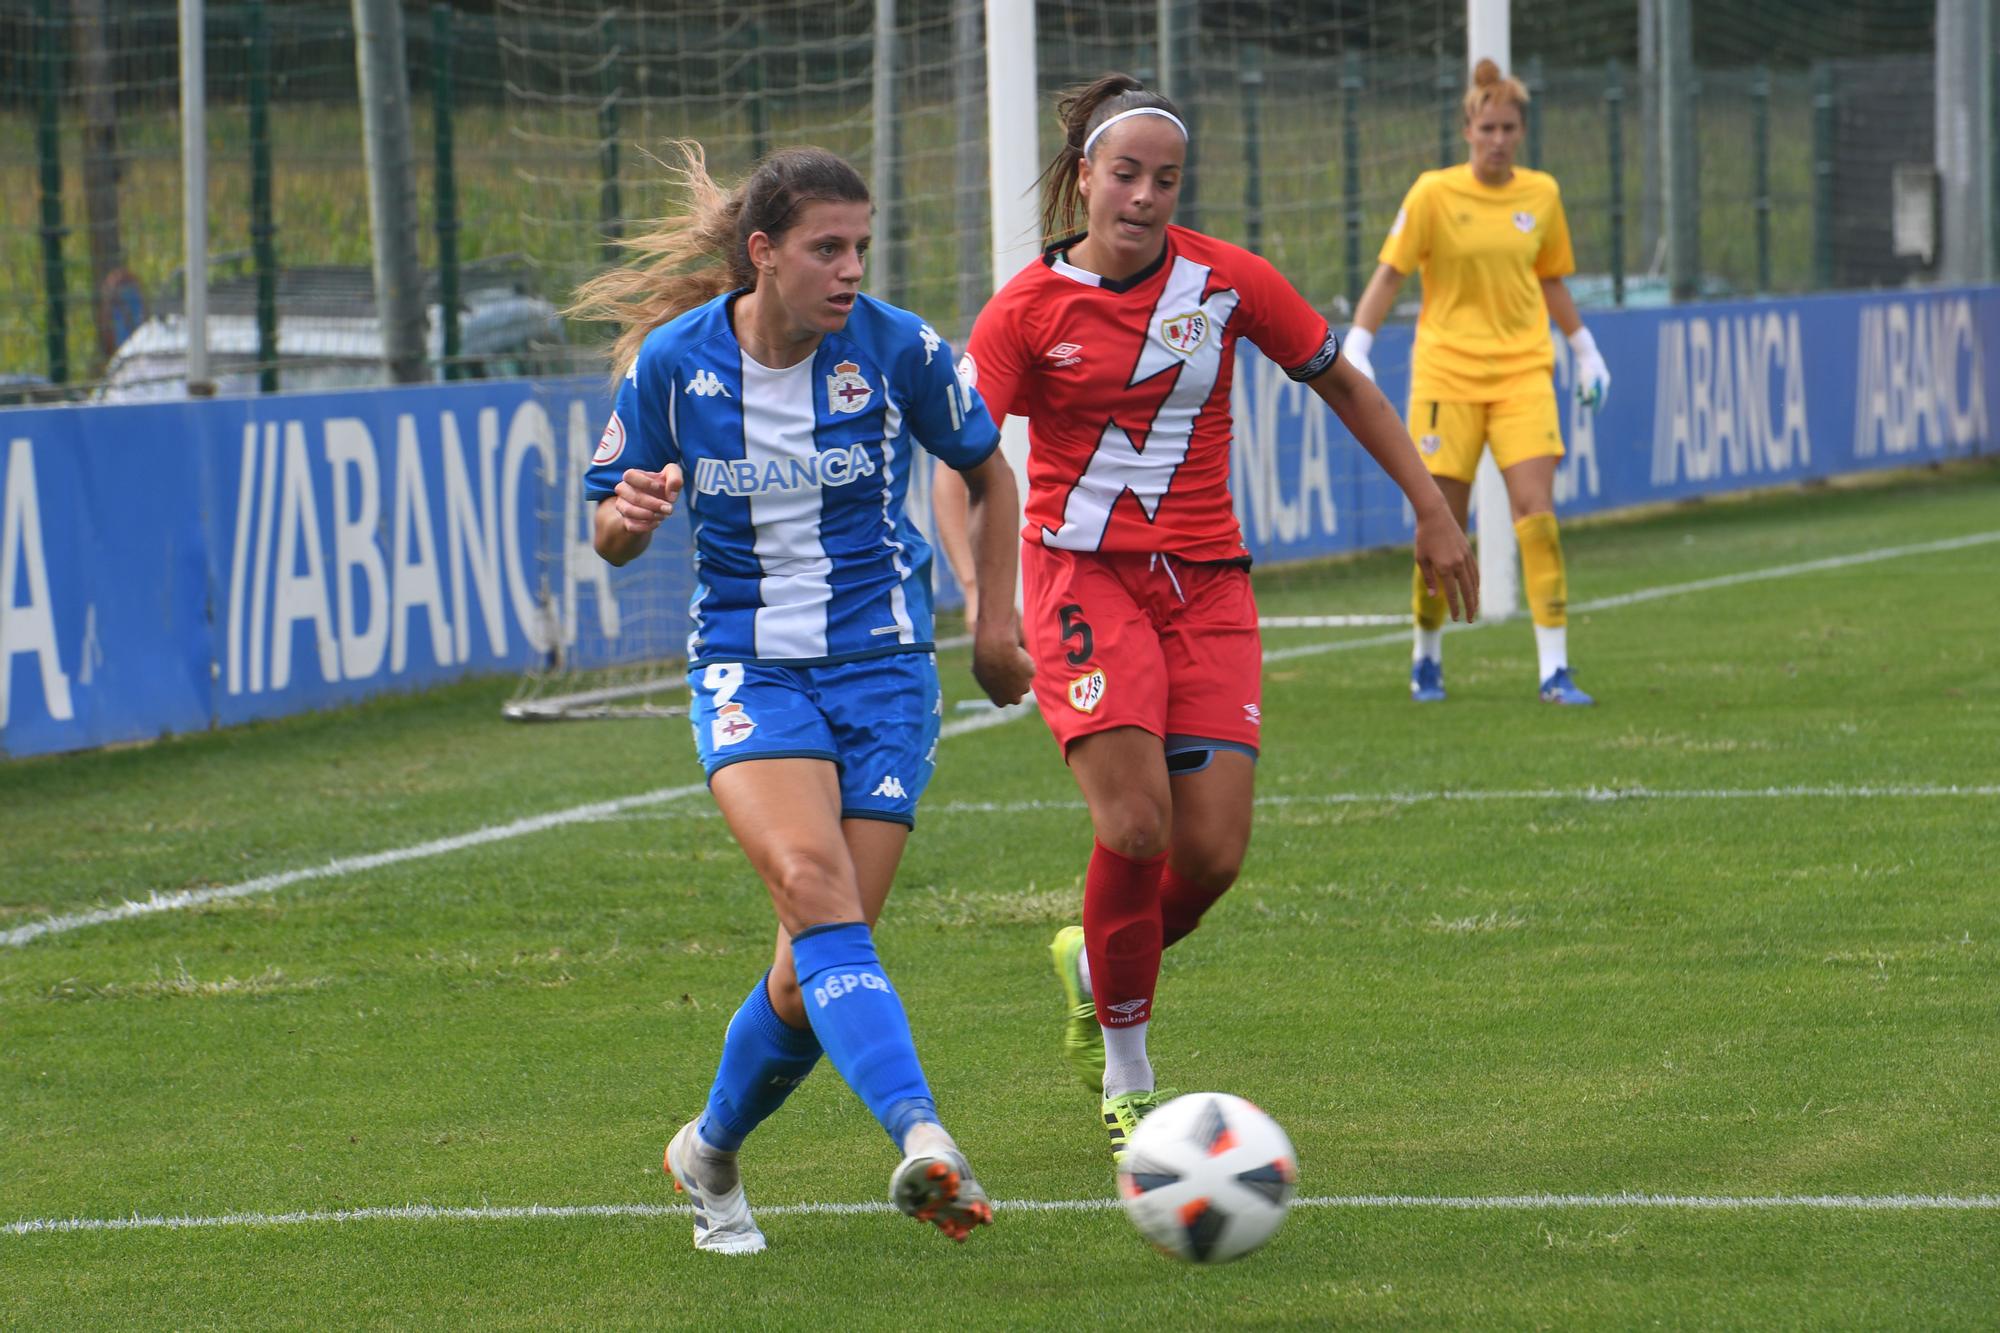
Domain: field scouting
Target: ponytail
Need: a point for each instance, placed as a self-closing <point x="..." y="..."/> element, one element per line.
<point x="1082" y="109"/>
<point x="1489" y="85"/>
<point x="685" y="260"/>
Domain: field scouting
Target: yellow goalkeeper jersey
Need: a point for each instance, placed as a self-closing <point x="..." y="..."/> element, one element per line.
<point x="1483" y="332"/>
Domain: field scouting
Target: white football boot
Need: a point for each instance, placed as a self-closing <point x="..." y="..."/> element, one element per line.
<point x="722" y="1221"/>
<point x="933" y="1184"/>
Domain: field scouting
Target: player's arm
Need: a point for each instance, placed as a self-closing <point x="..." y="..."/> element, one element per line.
<point x="1442" y="551"/>
<point x="1593" y="377"/>
<point x="991" y="518"/>
<point x="1376" y="302"/>
<point x="626" y="520"/>
<point x="948" y="512"/>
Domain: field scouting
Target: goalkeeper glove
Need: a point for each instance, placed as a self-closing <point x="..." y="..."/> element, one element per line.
<point x="1593" y="377"/>
<point x="1355" y="348"/>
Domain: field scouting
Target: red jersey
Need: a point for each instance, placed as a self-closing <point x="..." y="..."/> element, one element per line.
<point x="1125" y="385"/>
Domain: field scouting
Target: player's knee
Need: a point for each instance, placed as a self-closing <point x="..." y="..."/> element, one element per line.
<point x="812" y="882"/>
<point x="1136" y="829"/>
<point x="1209" y="869"/>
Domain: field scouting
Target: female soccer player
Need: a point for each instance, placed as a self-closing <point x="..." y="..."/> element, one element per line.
<point x="1493" y="245"/>
<point x="1117" y="345"/>
<point x="787" y="403"/>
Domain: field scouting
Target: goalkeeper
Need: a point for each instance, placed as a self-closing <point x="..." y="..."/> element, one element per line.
<point x="1493" y="246"/>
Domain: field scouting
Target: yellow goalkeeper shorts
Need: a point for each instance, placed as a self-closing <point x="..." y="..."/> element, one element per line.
<point x="1449" y="435"/>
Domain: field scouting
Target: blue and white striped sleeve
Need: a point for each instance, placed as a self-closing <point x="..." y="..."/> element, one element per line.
<point x="945" y="414"/>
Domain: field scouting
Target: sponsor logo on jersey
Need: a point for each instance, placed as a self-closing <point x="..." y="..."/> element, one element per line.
<point x="1430" y="444"/>
<point x="931" y="341"/>
<point x="706" y="385"/>
<point x="1524" y="221"/>
<point x="846" y="391"/>
<point x="891" y="787"/>
<point x="1087" y="691"/>
<point x="1185" y="333"/>
<point x="744" y="476"/>
<point x="612" y="442"/>
<point x="731" y="725"/>
<point x="1065" y="354"/>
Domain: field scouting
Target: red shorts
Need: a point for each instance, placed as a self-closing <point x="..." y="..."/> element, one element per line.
<point x="1131" y="639"/>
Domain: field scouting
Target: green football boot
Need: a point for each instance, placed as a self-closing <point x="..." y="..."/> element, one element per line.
<point x="1123" y="1113"/>
<point x="1082" y="1039"/>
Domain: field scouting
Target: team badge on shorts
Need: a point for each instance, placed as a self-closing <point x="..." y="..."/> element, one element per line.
<point x="1524" y="221"/>
<point x="731" y="725"/>
<point x="1185" y="333"/>
<point x="612" y="443"/>
<point x="1087" y="691"/>
<point x="846" y="391"/>
<point x="1430" y="444"/>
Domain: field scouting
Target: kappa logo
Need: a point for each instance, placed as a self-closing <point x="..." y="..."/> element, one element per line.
<point x="846" y="390"/>
<point x="1524" y="221"/>
<point x="1430" y="444"/>
<point x="706" y="385"/>
<point x="612" y="443"/>
<point x="1087" y="691"/>
<point x="731" y="725"/>
<point x="1185" y="333"/>
<point x="1065" y="354"/>
<point x="891" y="787"/>
<point x="931" y="341"/>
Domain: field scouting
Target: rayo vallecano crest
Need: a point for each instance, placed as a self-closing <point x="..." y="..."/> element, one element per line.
<point x="1185" y="333"/>
<point x="846" y="391"/>
<point x="1087" y="691"/>
<point x="1524" y="221"/>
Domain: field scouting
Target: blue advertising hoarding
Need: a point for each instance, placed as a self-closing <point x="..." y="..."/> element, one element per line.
<point x="165" y="568"/>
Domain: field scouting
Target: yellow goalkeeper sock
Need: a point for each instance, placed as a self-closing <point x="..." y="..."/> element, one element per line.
<point x="1430" y="609"/>
<point x="1542" y="570"/>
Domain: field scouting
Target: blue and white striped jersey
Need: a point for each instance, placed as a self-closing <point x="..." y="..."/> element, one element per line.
<point x="796" y="478"/>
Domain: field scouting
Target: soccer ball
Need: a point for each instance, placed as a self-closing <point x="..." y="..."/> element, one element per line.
<point x="1207" y="1177"/>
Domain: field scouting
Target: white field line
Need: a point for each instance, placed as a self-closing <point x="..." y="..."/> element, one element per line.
<point x="347" y="865"/>
<point x="168" y="902"/>
<point x="1591" y="794"/>
<point x="423" y="1212"/>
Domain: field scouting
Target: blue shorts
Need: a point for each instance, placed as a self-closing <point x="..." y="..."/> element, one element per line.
<point x="876" y="720"/>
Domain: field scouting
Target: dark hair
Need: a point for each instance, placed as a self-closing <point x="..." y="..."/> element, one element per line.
<point x="684" y="260"/>
<point x="1082" y="109"/>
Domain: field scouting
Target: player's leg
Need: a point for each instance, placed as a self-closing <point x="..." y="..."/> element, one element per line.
<point x="743" y="712"/>
<point x="1449" y="438"/>
<point x="1527" y="445"/>
<point x="1098" y="673"/>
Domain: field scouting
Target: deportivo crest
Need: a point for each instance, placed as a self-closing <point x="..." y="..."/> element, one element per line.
<point x="846" y="391"/>
<point x="1087" y="691"/>
<point x="1524" y="221"/>
<point x="731" y="725"/>
<point x="1185" y="333"/>
<point x="612" y="443"/>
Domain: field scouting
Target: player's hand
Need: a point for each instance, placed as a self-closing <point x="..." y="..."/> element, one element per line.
<point x="645" y="499"/>
<point x="999" y="663"/>
<point x="1593" y="377"/>
<point x="1445" y="557"/>
<point x="1355" y="347"/>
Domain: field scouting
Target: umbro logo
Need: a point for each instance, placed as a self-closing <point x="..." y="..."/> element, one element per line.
<point x="706" y="385"/>
<point x="1065" y="354"/>
<point x="1128" y="1007"/>
<point x="892" y="787"/>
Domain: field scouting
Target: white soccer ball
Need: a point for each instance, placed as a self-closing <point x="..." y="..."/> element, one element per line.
<point x="1208" y="1177"/>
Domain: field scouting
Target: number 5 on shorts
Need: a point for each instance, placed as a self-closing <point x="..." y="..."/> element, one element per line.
<point x="1074" y="626"/>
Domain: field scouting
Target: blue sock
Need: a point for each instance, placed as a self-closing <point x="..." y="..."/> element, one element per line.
<point x="763" y="1059"/>
<point x="858" y="1018"/>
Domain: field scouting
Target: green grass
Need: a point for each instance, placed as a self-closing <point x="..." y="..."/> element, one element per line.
<point x="1678" y="995"/>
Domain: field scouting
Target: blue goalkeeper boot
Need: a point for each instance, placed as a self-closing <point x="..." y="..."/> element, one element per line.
<point x="1427" y="681"/>
<point x="1560" y="689"/>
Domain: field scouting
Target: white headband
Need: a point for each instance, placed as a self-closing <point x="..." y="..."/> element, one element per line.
<point x="1109" y="121"/>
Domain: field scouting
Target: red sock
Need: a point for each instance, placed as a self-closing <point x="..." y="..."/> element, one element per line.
<point x="1121" y="934"/>
<point x="1182" y="901"/>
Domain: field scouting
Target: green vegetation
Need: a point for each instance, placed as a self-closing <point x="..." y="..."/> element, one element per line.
<point x="1682" y="992"/>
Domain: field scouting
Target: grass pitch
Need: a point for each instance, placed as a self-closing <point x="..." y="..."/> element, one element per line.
<point x="1729" y="936"/>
